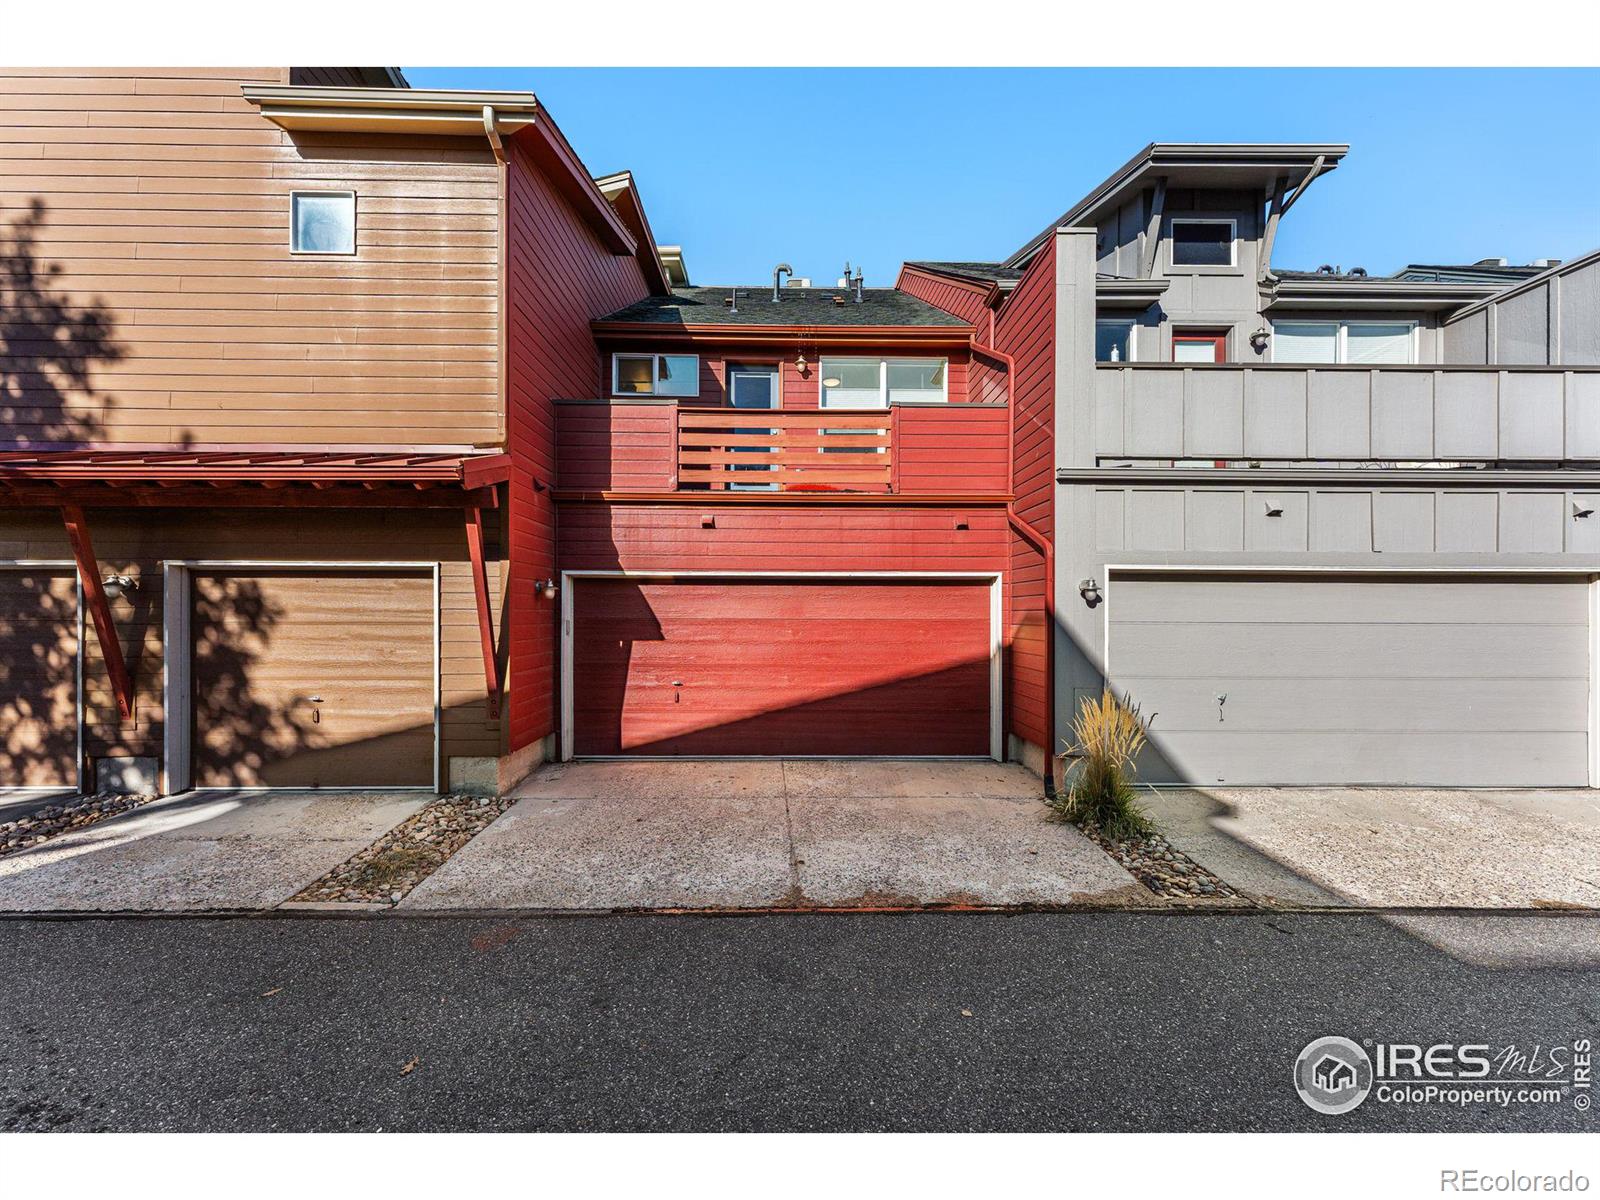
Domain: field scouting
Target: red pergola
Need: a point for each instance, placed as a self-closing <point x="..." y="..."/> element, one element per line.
<point x="276" y="477"/>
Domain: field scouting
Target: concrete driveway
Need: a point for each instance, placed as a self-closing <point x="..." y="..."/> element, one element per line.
<point x="1393" y="847"/>
<point x="631" y="835"/>
<point x="204" y="850"/>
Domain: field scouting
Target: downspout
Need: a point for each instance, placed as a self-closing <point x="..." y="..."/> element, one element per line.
<point x="1040" y="542"/>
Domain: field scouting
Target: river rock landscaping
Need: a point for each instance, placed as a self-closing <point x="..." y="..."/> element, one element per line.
<point x="402" y="858"/>
<point x="55" y="819"/>
<point x="1162" y="868"/>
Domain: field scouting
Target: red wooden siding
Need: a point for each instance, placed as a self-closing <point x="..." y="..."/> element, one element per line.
<point x="767" y="537"/>
<point x="616" y="447"/>
<point x="560" y="277"/>
<point x="966" y="301"/>
<point x="951" y="450"/>
<point x="697" y="667"/>
<point x="1025" y="329"/>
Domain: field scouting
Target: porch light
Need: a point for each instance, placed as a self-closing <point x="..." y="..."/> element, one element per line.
<point x="117" y="586"/>
<point x="1259" y="340"/>
<point x="546" y="588"/>
<point x="801" y="365"/>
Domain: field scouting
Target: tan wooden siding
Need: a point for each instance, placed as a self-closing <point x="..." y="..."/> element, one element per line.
<point x="38" y="677"/>
<point x="137" y="543"/>
<point x="163" y="198"/>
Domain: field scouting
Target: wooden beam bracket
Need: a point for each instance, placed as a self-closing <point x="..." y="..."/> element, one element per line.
<point x="480" y="588"/>
<point x="94" y="592"/>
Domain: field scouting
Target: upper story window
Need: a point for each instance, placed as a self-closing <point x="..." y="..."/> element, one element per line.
<point x="1113" y="341"/>
<point x="655" y="375"/>
<point x="1354" y="342"/>
<point x="1203" y="243"/>
<point x="876" y="382"/>
<point x="322" y="222"/>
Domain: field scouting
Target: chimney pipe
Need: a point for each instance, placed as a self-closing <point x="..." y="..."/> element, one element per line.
<point x="858" y="285"/>
<point x="777" y="288"/>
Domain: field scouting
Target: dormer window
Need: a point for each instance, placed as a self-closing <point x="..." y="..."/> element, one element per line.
<point x="1202" y="243"/>
<point x="322" y="222"/>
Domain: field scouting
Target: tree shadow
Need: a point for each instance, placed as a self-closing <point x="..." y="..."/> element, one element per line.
<point x="50" y="346"/>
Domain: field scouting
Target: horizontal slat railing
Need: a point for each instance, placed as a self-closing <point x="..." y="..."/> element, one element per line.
<point x="1331" y="413"/>
<point x="825" y="450"/>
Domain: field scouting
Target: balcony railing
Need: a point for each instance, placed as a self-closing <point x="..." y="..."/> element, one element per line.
<point x="1327" y="413"/>
<point x="806" y="451"/>
<point x="620" y="446"/>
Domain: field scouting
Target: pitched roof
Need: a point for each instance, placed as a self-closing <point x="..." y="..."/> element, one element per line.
<point x="983" y="272"/>
<point x="798" y="306"/>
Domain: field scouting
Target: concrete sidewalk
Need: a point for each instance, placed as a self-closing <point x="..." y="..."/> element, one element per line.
<point x="629" y="835"/>
<point x="203" y="850"/>
<point x="1392" y="847"/>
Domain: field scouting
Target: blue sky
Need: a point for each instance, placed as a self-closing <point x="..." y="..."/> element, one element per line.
<point x="746" y="168"/>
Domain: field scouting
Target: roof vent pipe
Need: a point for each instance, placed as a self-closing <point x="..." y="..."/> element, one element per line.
<point x="1359" y="272"/>
<point x="844" y="280"/>
<point x="777" y="287"/>
<point x="858" y="285"/>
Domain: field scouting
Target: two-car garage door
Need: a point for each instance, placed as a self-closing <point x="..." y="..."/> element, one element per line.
<point x="782" y="666"/>
<point x="1357" y="679"/>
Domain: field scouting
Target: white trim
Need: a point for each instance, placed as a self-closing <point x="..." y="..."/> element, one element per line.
<point x="186" y="649"/>
<point x="618" y="355"/>
<point x="1176" y="267"/>
<point x="1113" y="569"/>
<point x="355" y="224"/>
<point x="79" y="774"/>
<point x="995" y="580"/>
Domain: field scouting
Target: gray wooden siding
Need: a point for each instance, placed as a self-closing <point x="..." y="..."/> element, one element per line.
<point x="1315" y="520"/>
<point x="1409" y="414"/>
<point x="1554" y="319"/>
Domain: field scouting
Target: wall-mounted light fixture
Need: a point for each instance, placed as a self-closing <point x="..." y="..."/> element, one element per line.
<point x="546" y="588"/>
<point x="117" y="586"/>
<point x="1089" y="589"/>
<point x="1259" y="340"/>
<point x="802" y="365"/>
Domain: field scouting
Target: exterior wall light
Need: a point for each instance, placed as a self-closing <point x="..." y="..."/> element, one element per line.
<point x="801" y="365"/>
<point x="1089" y="589"/>
<point x="116" y="586"/>
<point x="546" y="588"/>
<point x="1259" y="340"/>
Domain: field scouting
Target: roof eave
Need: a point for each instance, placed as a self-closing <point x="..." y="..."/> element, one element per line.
<point x="1344" y="294"/>
<point x="389" y="110"/>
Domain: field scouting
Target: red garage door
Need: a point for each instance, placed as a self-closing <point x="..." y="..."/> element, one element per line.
<point x="787" y="667"/>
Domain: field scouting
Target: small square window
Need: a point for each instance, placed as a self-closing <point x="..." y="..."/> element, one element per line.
<point x="635" y="375"/>
<point x="655" y="375"/>
<point x="1202" y="243"/>
<point x="323" y="222"/>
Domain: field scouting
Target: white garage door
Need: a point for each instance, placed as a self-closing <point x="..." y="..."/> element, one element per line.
<point x="1405" y="679"/>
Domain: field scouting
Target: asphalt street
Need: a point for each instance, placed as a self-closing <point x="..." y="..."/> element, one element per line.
<point x="778" y="1022"/>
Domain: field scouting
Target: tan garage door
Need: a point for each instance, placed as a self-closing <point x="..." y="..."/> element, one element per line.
<point x="38" y="678"/>
<point x="318" y="679"/>
<point x="1445" y="680"/>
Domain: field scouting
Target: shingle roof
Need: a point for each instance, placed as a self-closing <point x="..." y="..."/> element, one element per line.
<point x="799" y="306"/>
<point x="985" y="272"/>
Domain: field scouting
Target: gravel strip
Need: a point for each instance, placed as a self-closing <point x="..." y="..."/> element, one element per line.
<point x="402" y="858"/>
<point x="49" y="822"/>
<point x="1162" y="868"/>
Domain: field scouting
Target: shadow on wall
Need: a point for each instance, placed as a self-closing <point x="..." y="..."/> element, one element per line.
<point x="49" y="346"/>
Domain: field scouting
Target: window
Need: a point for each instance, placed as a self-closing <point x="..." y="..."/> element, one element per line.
<point x="1113" y="341"/>
<point x="322" y="222"/>
<point x="1366" y="342"/>
<point x="1202" y="243"/>
<point x="1196" y="346"/>
<point x="655" y="375"/>
<point x="876" y="382"/>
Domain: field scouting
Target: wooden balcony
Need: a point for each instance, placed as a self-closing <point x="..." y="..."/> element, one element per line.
<point x="776" y="451"/>
<point x="635" y="447"/>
